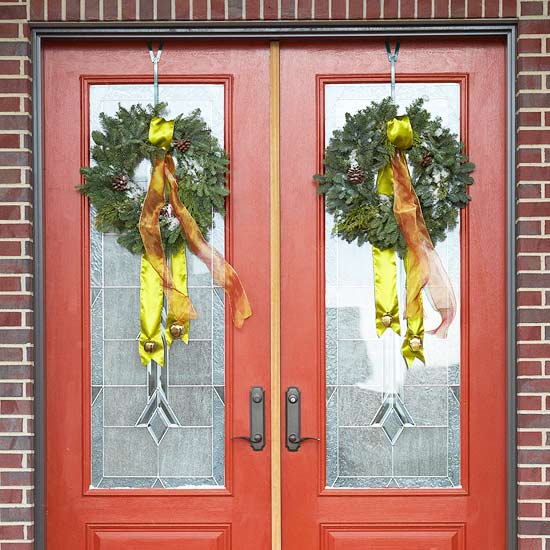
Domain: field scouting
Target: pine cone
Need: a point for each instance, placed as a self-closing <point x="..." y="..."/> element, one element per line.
<point x="427" y="159"/>
<point x="182" y="145"/>
<point x="356" y="175"/>
<point x="120" y="182"/>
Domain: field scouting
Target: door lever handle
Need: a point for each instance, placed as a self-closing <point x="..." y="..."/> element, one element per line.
<point x="257" y="419"/>
<point x="293" y="420"/>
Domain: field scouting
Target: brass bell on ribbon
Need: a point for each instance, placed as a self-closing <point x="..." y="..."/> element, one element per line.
<point x="177" y="330"/>
<point x="149" y="346"/>
<point x="386" y="319"/>
<point x="415" y="344"/>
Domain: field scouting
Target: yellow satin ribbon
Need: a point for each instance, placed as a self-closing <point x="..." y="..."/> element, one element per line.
<point x="415" y="326"/>
<point x="385" y="288"/>
<point x="173" y="282"/>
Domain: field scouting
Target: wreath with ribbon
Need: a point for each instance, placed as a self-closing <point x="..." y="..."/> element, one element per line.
<point x="374" y="198"/>
<point x="186" y="188"/>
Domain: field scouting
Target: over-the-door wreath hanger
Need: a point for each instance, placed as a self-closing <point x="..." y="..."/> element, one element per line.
<point x="186" y="188"/>
<point x="398" y="182"/>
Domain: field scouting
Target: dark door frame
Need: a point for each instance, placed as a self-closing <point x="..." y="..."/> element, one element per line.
<point x="265" y="31"/>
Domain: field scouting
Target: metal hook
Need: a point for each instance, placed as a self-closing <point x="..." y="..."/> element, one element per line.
<point x="392" y="57"/>
<point x="155" y="58"/>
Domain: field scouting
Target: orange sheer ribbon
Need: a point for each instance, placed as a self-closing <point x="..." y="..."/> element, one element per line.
<point x="426" y="270"/>
<point x="224" y="275"/>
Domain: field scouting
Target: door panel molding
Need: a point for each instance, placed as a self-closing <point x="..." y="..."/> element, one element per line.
<point x="86" y="82"/>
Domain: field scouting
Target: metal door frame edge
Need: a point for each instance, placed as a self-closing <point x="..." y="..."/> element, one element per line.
<point x="505" y="28"/>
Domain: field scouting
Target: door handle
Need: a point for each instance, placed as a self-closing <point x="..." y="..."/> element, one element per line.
<point x="293" y="420"/>
<point x="257" y="419"/>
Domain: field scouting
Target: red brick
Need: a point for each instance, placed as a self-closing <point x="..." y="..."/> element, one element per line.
<point x="11" y="496"/>
<point x="12" y="532"/>
<point x="530" y="332"/>
<point x="14" y="12"/>
<point x="530" y="82"/>
<point x="199" y="10"/>
<point x="10" y="425"/>
<point x="356" y="9"/>
<point x="529" y="118"/>
<point x="529" y="156"/>
<point x="72" y="10"/>
<point x="145" y="10"/>
<point x="529" y="191"/>
<point x="533" y="137"/>
<point x="15" y="479"/>
<point x="442" y="9"/>
<point x="321" y="9"/>
<point x="534" y="244"/>
<point x="491" y="8"/>
<point x="253" y="10"/>
<point x="529" y="298"/>
<point x="529" y="227"/>
<point x="91" y="10"/>
<point x="536" y="385"/>
<point x="217" y="10"/>
<point x="529" y="509"/>
<point x="530" y="544"/>
<point x="17" y="408"/>
<point x="390" y="9"/>
<point x="458" y="9"/>
<point x="533" y="209"/>
<point x="529" y="45"/>
<point x="373" y="9"/>
<point x="529" y="439"/>
<point x="10" y="248"/>
<point x="10" y="319"/>
<point x="529" y="474"/>
<point x="54" y="10"/>
<point x="9" y="104"/>
<point x="532" y="8"/>
<point x="164" y="11"/>
<point x="110" y="9"/>
<point x="474" y="8"/>
<point x="10" y="284"/>
<point x="18" y="546"/>
<point x="533" y="527"/>
<point x="532" y="350"/>
<point x="424" y="9"/>
<point x="129" y="10"/>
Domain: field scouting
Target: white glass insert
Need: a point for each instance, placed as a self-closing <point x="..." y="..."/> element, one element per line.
<point x="387" y="426"/>
<point x="133" y="447"/>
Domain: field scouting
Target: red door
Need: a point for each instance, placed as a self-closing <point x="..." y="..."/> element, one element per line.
<point x="405" y="459"/>
<point x="113" y="482"/>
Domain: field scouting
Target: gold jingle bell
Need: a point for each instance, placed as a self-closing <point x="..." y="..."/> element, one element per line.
<point x="386" y="319"/>
<point x="415" y="343"/>
<point x="177" y="330"/>
<point x="149" y="346"/>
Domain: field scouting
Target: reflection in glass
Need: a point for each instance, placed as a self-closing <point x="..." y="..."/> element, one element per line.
<point x="155" y="427"/>
<point x="387" y="426"/>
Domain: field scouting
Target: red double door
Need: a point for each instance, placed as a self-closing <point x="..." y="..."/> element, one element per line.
<point x="375" y="478"/>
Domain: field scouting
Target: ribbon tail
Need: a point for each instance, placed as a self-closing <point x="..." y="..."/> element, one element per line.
<point x="385" y="288"/>
<point x="222" y="272"/>
<point x="439" y="291"/>
<point x="151" y="300"/>
<point x="179" y="276"/>
<point x="413" y="343"/>
<point x="150" y="233"/>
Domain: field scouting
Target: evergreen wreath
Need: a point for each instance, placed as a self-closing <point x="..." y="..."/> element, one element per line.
<point x="440" y="176"/>
<point x="118" y="150"/>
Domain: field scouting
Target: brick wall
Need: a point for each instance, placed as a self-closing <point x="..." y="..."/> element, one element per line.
<point x="533" y="96"/>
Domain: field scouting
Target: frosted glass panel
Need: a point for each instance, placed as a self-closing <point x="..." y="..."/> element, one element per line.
<point x="387" y="426"/>
<point x="155" y="427"/>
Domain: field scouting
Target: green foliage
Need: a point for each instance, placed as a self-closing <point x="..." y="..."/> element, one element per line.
<point x="120" y="147"/>
<point x="364" y="215"/>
